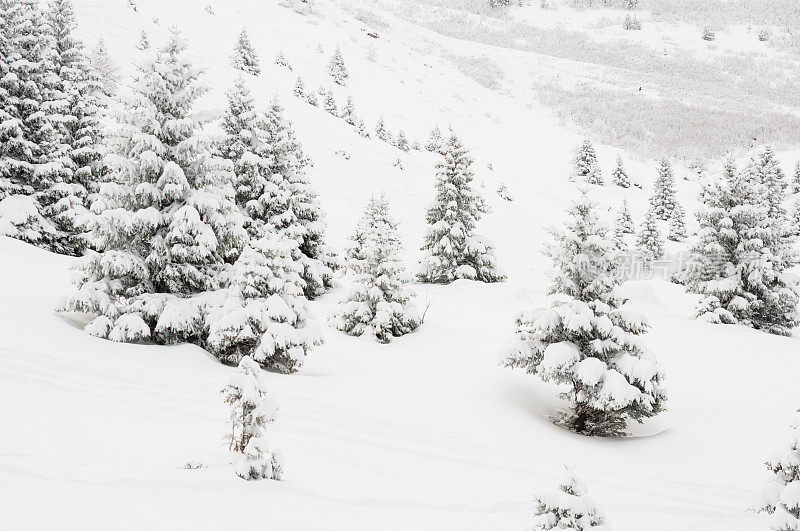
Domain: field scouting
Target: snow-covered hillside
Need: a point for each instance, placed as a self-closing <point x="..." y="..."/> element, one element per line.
<point x="430" y="431"/>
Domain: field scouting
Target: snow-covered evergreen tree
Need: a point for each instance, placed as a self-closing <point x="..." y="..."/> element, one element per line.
<point x="620" y="176"/>
<point x="382" y="133"/>
<point x="106" y="67"/>
<point x="348" y="113"/>
<point x="794" y="218"/>
<point x="251" y="410"/>
<point x="585" y="339"/>
<point x="503" y="192"/>
<point x="361" y="129"/>
<point x="663" y="201"/>
<point x="280" y="60"/>
<point x="311" y="98"/>
<point x="144" y="41"/>
<point x="780" y="497"/>
<point x="649" y="240"/>
<point x="795" y="187"/>
<point x="569" y="507"/>
<point x="337" y="69"/>
<point x="329" y="103"/>
<point x="402" y="141"/>
<point x="623" y="225"/>
<point x="299" y="89"/>
<point x="166" y="224"/>
<point x="677" y="224"/>
<point x="79" y="128"/>
<point x="244" y="57"/>
<point x="452" y="249"/>
<point x="435" y="140"/>
<point x="765" y="171"/>
<point x="585" y="164"/>
<point x="741" y="258"/>
<point x="264" y="315"/>
<point x="379" y="302"/>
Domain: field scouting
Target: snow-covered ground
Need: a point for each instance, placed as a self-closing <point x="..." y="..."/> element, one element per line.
<point x="427" y="432"/>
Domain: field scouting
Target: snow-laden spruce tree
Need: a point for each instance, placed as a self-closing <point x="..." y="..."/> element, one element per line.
<point x="361" y="128"/>
<point x="299" y="88"/>
<point x="348" y="113"/>
<point x="166" y="222"/>
<point x="265" y="315"/>
<point x="382" y="133"/>
<point x="780" y="497"/>
<point x="795" y="186"/>
<point x="585" y="164"/>
<point x="435" y="140"/>
<point x="311" y="98"/>
<point x="623" y="225"/>
<point x="649" y="241"/>
<point x="337" y="69"/>
<point x="79" y="127"/>
<point x="663" y="201"/>
<point x="568" y="507"/>
<point x="106" y="67"/>
<point x="585" y="339"/>
<point x="329" y="103"/>
<point x="290" y="206"/>
<point x="280" y="60"/>
<point x="402" y="141"/>
<point x="677" y="224"/>
<point x="144" y="41"/>
<point x="379" y="302"/>
<point x="794" y="218"/>
<point x="251" y="410"/>
<point x="620" y="176"/>
<point x="765" y="171"/>
<point x="452" y="249"/>
<point x="740" y="260"/>
<point x="244" y="57"/>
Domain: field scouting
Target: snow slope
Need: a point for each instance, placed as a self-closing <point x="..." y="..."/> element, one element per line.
<point x="426" y="432"/>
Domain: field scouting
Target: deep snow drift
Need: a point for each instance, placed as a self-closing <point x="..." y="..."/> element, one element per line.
<point x="427" y="432"/>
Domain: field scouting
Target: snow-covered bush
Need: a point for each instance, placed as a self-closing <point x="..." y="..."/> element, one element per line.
<point x="568" y="507"/>
<point x="452" y="249"/>
<point x="503" y="193"/>
<point x="244" y="57"/>
<point x="631" y="23"/>
<point x="251" y="411"/>
<point x="280" y="60"/>
<point x="780" y="497"/>
<point x="708" y="34"/>
<point x="585" y="339"/>
<point x="585" y="168"/>
<point x="379" y="302"/>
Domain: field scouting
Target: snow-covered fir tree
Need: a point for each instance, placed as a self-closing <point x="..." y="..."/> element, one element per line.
<point x="780" y="497"/>
<point x="623" y="225"/>
<point x="348" y="113"/>
<point x="663" y="201"/>
<point x="379" y="302"/>
<point x="144" y="41"/>
<point x="795" y="186"/>
<point x="586" y="340"/>
<point x="620" y="176"/>
<point x="311" y="98"/>
<point x="585" y="167"/>
<point x="299" y="88"/>
<point x="280" y="60"/>
<point x="361" y="129"/>
<point x="329" y="103"/>
<point x="244" y="57"/>
<point x="741" y="258"/>
<point x="649" y="240"/>
<point x="435" y="140"/>
<point x="166" y="222"/>
<point x="251" y="411"/>
<point x="416" y="146"/>
<point x="677" y="224"/>
<point x="79" y="128"/>
<point x="106" y="67"/>
<point x="452" y="249"/>
<point x="794" y="218"/>
<point x="382" y="133"/>
<point x="568" y="507"/>
<point x="402" y="141"/>
<point x="265" y="315"/>
<point x="765" y="171"/>
<point x="337" y="68"/>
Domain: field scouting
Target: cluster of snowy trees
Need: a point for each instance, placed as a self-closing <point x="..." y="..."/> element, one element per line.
<point x="214" y="242"/>
<point x="51" y="102"/>
<point x="585" y="168"/>
<point x="745" y="246"/>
